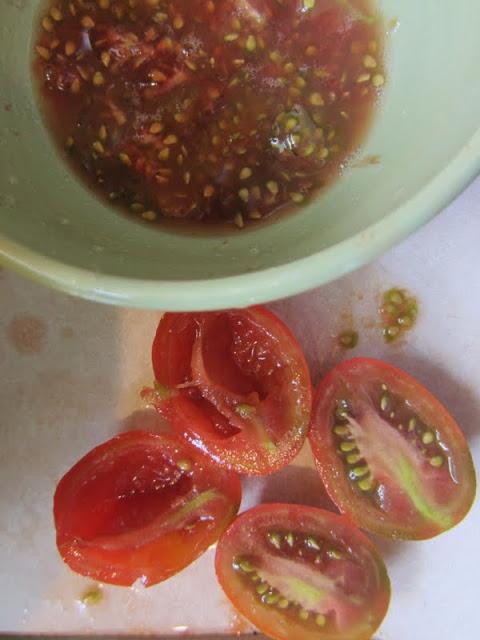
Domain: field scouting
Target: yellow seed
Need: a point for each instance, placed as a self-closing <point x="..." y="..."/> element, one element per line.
<point x="191" y="65"/>
<point x="47" y="24"/>
<point x="231" y="37"/>
<point x="210" y="6"/>
<point x="238" y="220"/>
<point x="245" y="173"/>
<point x="272" y="186"/>
<point x="98" y="147"/>
<point x="283" y="603"/>
<point x="180" y="117"/>
<point x="363" y="77"/>
<point x="98" y="79"/>
<point x="69" y="142"/>
<point x="104" y="4"/>
<point x="164" y="154"/>
<point x="102" y="133"/>
<point x="178" y="22"/>
<point x="428" y="437"/>
<point x="236" y="24"/>
<point x="156" y="127"/>
<point x="297" y="197"/>
<point x="187" y="176"/>
<point x="87" y="22"/>
<point x="436" y="461"/>
<point x="208" y="191"/>
<point x="54" y="43"/>
<point x="255" y="215"/>
<point x="70" y="48"/>
<point x="136" y="207"/>
<point x="353" y="458"/>
<point x="301" y="82"/>
<point x="341" y="430"/>
<point x="346" y="447"/>
<point x="150" y="216"/>
<point x="105" y="58"/>
<point x="365" y="484"/>
<point x="304" y="614"/>
<point x="321" y="620"/>
<point x="289" y="67"/>
<point x="157" y="76"/>
<point x="290" y="124"/>
<point x="171" y="139"/>
<point x="324" y="153"/>
<point x="244" y="194"/>
<point x="378" y="80"/>
<point x="43" y="52"/>
<point x="309" y="149"/>
<point x="251" y="43"/>
<point x="216" y="140"/>
<point x="75" y="86"/>
<point x="125" y="159"/>
<point x="310" y="51"/>
<point x="56" y="14"/>
<point x="373" y="46"/>
<point x="308" y="4"/>
<point x="358" y="472"/>
<point x="316" y="99"/>
<point x="275" y="56"/>
<point x="369" y="62"/>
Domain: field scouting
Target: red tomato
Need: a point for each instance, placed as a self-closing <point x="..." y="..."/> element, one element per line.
<point x="389" y="453"/>
<point x="300" y="572"/>
<point x="235" y="384"/>
<point x="141" y="506"/>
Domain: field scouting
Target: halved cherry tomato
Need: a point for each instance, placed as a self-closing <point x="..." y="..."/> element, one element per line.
<point x="141" y="506"/>
<point x="389" y="454"/>
<point x="300" y="572"/>
<point x="235" y="384"/>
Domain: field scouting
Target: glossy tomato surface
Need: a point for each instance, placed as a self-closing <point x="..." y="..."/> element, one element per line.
<point x="235" y="384"/>
<point x="141" y="506"/>
<point x="389" y="453"/>
<point x="300" y="572"/>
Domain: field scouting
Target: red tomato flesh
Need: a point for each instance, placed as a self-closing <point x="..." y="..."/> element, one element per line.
<point x="235" y="384"/>
<point x="300" y="572"/>
<point x="141" y="506"/>
<point x="389" y="453"/>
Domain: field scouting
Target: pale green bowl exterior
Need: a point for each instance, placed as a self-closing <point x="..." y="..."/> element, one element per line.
<point x="427" y="134"/>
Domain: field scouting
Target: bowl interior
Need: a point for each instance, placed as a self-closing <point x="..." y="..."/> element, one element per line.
<point x="428" y="116"/>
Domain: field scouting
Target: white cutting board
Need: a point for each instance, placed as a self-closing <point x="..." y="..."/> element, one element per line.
<point x="70" y="374"/>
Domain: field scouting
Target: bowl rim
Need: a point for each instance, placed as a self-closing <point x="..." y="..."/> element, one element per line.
<point x="264" y="285"/>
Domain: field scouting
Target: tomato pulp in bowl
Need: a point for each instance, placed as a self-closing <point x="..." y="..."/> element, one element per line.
<point x="55" y="230"/>
<point x="219" y="121"/>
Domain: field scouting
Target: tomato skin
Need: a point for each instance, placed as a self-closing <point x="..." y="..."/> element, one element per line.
<point x="246" y="538"/>
<point x="118" y="511"/>
<point x="213" y="365"/>
<point x="452" y="486"/>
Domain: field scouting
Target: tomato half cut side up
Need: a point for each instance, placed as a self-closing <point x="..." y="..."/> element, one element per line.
<point x="300" y="572"/>
<point x="141" y="506"/>
<point x="389" y="453"/>
<point x="235" y="384"/>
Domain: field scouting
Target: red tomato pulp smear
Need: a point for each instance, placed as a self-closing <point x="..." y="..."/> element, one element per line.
<point x="212" y="111"/>
<point x="389" y="453"/>
<point x="141" y="506"/>
<point x="235" y="384"/>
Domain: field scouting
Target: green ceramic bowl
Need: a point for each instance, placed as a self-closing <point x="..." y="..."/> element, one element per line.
<point x="427" y="134"/>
